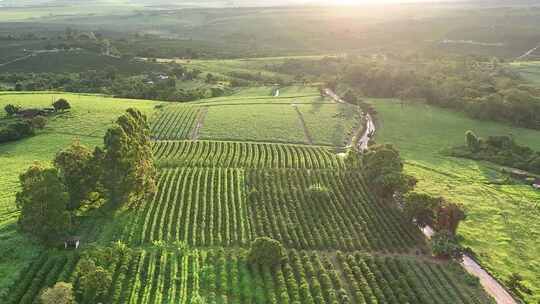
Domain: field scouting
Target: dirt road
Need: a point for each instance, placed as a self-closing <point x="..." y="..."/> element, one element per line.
<point x="370" y="129"/>
<point x="491" y="286"/>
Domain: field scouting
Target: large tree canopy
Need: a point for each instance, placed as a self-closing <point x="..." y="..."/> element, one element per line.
<point x="130" y="175"/>
<point x="43" y="200"/>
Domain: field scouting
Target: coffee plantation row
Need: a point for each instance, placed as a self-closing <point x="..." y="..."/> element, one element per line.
<point x="243" y="155"/>
<point x="304" y="209"/>
<point x="166" y="275"/>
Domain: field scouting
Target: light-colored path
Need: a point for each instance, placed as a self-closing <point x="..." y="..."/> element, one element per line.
<point x="201" y="115"/>
<point x="491" y="286"/>
<point x="308" y="136"/>
<point x="528" y="53"/>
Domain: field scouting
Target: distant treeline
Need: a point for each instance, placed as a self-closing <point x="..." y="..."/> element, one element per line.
<point x="481" y="89"/>
<point x="154" y="85"/>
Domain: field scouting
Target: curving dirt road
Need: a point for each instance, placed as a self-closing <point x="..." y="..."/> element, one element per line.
<point x="491" y="286"/>
<point x="363" y="142"/>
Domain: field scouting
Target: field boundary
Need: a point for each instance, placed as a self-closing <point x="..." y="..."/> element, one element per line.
<point x="201" y="115"/>
<point x="307" y="134"/>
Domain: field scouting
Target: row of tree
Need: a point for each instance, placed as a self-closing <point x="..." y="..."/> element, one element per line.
<point x="121" y="173"/>
<point x="502" y="150"/>
<point x="482" y="89"/>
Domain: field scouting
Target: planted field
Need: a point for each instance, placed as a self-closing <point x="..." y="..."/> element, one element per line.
<point x="330" y="124"/>
<point x="156" y="275"/>
<point x="503" y="221"/>
<point x="405" y="280"/>
<point x="200" y="207"/>
<point x="243" y="155"/>
<point x="139" y="276"/>
<point x="324" y="209"/>
<point x="264" y="123"/>
<point x="174" y="123"/>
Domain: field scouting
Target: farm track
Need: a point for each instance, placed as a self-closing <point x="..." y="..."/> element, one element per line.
<point x="309" y="138"/>
<point x="200" y="121"/>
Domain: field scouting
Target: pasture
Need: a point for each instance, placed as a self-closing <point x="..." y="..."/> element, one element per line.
<point x="502" y="225"/>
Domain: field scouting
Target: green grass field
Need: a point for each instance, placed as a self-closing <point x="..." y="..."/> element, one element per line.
<point x="503" y="223"/>
<point x="87" y="121"/>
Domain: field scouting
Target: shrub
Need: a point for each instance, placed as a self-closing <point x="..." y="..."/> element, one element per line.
<point x="61" y="105"/>
<point x="445" y="245"/>
<point x="267" y="252"/>
<point x="60" y="293"/>
<point x="38" y="122"/>
<point x="16" y="131"/>
<point x="12" y="109"/>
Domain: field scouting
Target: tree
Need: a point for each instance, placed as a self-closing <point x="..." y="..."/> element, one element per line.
<point x="43" y="200"/>
<point x="61" y="105"/>
<point x="130" y="175"/>
<point x="445" y="245"/>
<point x="12" y="109"/>
<point x="472" y="141"/>
<point x="422" y="208"/>
<point x="266" y="251"/>
<point x="383" y="169"/>
<point x="60" y="293"/>
<point x="449" y="215"/>
<point x="94" y="281"/>
<point x="77" y="168"/>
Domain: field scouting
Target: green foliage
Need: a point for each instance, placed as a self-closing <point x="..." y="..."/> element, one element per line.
<point x="94" y="281"/>
<point x="266" y="251"/>
<point x="60" y="293"/>
<point x="422" y="208"/>
<point x="43" y="200"/>
<point x="38" y="122"/>
<point x="130" y="174"/>
<point x="61" y="105"/>
<point x="472" y="141"/>
<point x="449" y="215"/>
<point x="445" y="245"/>
<point x="11" y="109"/>
<point x="383" y="169"/>
<point x="80" y="170"/>
<point x="15" y="131"/>
<point x="502" y="150"/>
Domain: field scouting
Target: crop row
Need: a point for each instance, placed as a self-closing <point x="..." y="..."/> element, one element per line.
<point x="44" y="272"/>
<point x="174" y="123"/>
<point x="305" y="277"/>
<point x="139" y="277"/>
<point x="324" y="210"/>
<point x="405" y="280"/>
<point x="243" y="155"/>
<point x="200" y="207"/>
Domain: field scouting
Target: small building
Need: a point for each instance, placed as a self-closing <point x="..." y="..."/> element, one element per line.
<point x="72" y="242"/>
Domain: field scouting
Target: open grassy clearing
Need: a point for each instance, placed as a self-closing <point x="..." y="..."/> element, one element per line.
<point x="530" y="70"/>
<point x="87" y="121"/>
<point x="502" y="226"/>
